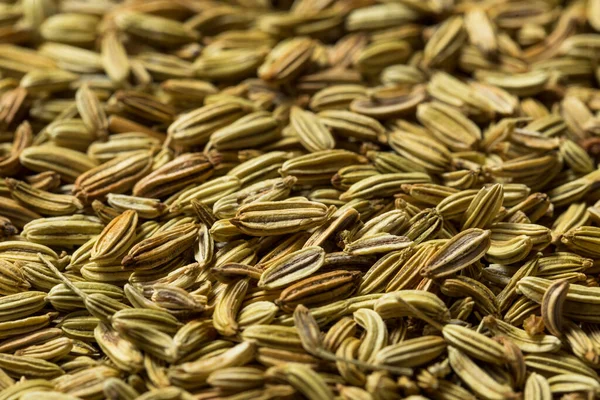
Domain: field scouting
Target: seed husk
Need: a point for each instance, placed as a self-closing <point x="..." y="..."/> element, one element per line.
<point x="313" y="198"/>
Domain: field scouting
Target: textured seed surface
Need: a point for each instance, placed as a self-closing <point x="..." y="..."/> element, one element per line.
<point x="250" y="199"/>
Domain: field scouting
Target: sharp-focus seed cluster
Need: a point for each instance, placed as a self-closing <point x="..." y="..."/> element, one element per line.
<point x="321" y="199"/>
